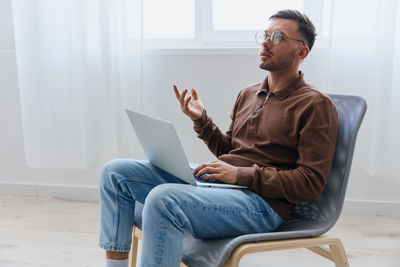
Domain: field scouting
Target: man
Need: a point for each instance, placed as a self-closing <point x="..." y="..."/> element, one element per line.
<point x="280" y="145"/>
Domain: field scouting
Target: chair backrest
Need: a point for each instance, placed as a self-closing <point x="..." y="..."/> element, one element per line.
<point x="326" y="210"/>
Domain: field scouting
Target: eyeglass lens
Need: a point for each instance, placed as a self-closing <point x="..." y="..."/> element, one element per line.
<point x="261" y="36"/>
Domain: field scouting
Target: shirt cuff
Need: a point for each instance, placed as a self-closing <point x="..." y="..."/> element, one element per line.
<point x="199" y="123"/>
<point x="245" y="176"/>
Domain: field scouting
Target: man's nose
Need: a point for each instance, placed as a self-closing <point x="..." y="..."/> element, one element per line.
<point x="267" y="42"/>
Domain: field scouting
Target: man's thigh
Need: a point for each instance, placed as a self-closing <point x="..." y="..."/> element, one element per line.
<point x="133" y="178"/>
<point x="219" y="212"/>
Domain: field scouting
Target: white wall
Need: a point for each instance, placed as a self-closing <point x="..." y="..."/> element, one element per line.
<point x="218" y="75"/>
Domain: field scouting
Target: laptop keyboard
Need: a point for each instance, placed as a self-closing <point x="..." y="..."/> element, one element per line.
<point x="201" y="179"/>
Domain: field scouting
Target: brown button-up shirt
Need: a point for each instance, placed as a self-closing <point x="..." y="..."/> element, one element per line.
<point x="282" y="141"/>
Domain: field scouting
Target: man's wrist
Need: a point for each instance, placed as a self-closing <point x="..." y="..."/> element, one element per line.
<point x="200" y="117"/>
<point x="198" y="123"/>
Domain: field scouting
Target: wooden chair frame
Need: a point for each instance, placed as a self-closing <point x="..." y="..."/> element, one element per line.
<point x="335" y="253"/>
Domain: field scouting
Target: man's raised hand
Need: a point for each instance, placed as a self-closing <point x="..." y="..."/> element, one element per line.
<point x="190" y="105"/>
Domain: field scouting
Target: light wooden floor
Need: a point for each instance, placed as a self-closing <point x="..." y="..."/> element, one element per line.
<point x="48" y="232"/>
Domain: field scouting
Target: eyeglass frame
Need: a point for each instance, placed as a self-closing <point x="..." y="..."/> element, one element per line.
<point x="282" y="34"/>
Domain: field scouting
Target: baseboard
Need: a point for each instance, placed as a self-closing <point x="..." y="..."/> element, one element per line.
<point x="91" y="193"/>
<point x="83" y="193"/>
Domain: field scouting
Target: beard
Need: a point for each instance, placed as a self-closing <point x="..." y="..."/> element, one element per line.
<point x="285" y="63"/>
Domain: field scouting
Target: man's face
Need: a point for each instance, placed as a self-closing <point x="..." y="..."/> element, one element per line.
<point x="283" y="55"/>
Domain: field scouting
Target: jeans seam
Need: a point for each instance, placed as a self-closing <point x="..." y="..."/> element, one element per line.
<point x="226" y="210"/>
<point x="116" y="219"/>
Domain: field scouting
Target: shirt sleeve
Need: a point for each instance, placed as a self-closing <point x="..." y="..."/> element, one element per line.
<point x="316" y="147"/>
<point x="218" y="143"/>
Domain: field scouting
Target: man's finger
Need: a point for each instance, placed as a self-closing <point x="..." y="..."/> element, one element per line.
<point x="202" y="166"/>
<point x="206" y="170"/>
<point x="198" y="168"/>
<point x="182" y="97"/>
<point x="177" y="93"/>
<point x="201" y="172"/>
<point x="186" y="103"/>
<point x="215" y="176"/>
<point x="214" y="163"/>
<point x="194" y="94"/>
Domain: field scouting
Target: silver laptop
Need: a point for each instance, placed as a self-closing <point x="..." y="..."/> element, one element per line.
<point x="163" y="149"/>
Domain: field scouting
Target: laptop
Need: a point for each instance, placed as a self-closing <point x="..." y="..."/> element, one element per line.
<point x="163" y="149"/>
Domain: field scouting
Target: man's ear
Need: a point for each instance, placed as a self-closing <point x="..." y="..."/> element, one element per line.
<point x="303" y="52"/>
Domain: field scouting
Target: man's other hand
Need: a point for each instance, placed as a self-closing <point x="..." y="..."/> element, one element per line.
<point x="190" y="105"/>
<point x="218" y="170"/>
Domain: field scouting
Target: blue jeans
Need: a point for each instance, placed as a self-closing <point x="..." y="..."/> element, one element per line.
<point x="171" y="208"/>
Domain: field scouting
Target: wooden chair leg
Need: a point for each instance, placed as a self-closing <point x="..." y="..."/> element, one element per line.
<point x="322" y="252"/>
<point x="339" y="255"/>
<point x="336" y="254"/>
<point x="133" y="254"/>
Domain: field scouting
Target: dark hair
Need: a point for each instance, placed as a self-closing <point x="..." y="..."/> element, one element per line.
<point x="306" y="27"/>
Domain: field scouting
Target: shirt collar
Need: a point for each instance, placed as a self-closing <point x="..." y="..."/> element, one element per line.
<point x="284" y="91"/>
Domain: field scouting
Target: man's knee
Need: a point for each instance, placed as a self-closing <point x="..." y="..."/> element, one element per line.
<point x="120" y="167"/>
<point x="114" y="166"/>
<point x="166" y="196"/>
<point x="114" y="172"/>
<point x="107" y="172"/>
<point x="169" y="191"/>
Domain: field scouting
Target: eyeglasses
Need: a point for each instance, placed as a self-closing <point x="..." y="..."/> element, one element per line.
<point x="275" y="37"/>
